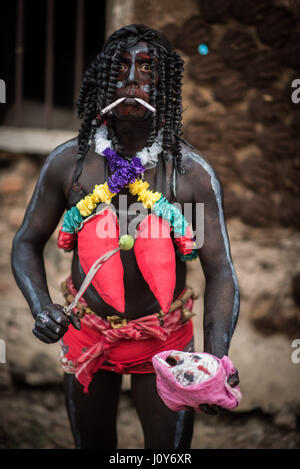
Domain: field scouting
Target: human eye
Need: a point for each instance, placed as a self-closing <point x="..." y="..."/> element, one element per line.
<point x="145" y="67"/>
<point x="123" y="67"/>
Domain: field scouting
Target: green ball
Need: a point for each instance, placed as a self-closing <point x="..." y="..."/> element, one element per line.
<point x="126" y="242"/>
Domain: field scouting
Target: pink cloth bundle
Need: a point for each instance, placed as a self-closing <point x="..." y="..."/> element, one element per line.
<point x="191" y="379"/>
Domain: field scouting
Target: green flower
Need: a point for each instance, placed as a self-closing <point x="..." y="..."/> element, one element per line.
<point x="72" y="220"/>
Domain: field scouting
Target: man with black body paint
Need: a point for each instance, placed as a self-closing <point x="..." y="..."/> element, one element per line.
<point x="136" y="62"/>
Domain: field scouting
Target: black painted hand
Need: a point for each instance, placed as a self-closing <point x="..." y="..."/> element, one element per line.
<point x="51" y="324"/>
<point x="233" y="381"/>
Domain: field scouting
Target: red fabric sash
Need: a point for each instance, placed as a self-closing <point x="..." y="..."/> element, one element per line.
<point x="128" y="349"/>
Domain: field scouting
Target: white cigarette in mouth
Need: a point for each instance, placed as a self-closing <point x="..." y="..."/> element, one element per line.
<point x="148" y="106"/>
<point x="112" y="105"/>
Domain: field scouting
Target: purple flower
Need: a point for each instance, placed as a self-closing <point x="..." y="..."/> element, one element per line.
<point x="136" y="166"/>
<point x="114" y="160"/>
<point x="124" y="172"/>
<point x="119" y="180"/>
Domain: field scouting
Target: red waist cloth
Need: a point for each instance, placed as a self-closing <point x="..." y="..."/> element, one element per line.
<point x="128" y="349"/>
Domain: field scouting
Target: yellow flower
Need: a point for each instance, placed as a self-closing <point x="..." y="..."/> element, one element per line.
<point x="95" y="198"/>
<point x="138" y="186"/>
<point x="86" y="206"/>
<point x="103" y="193"/>
<point x="149" y="198"/>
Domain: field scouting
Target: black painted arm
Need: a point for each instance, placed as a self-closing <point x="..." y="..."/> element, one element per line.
<point x="221" y="298"/>
<point x="41" y="218"/>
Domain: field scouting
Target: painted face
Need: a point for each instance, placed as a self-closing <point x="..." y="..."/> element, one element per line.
<point x="134" y="80"/>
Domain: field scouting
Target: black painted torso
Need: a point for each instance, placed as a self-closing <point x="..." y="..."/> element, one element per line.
<point x="139" y="300"/>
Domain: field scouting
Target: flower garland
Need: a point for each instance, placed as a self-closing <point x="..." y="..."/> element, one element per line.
<point x="148" y="155"/>
<point x="125" y="174"/>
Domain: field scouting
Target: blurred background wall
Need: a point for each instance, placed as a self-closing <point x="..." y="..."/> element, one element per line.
<point x="241" y="57"/>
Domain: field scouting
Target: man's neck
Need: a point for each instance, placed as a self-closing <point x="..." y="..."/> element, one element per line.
<point x="133" y="135"/>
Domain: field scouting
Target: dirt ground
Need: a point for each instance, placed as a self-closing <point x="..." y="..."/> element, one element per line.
<point x="37" y="419"/>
